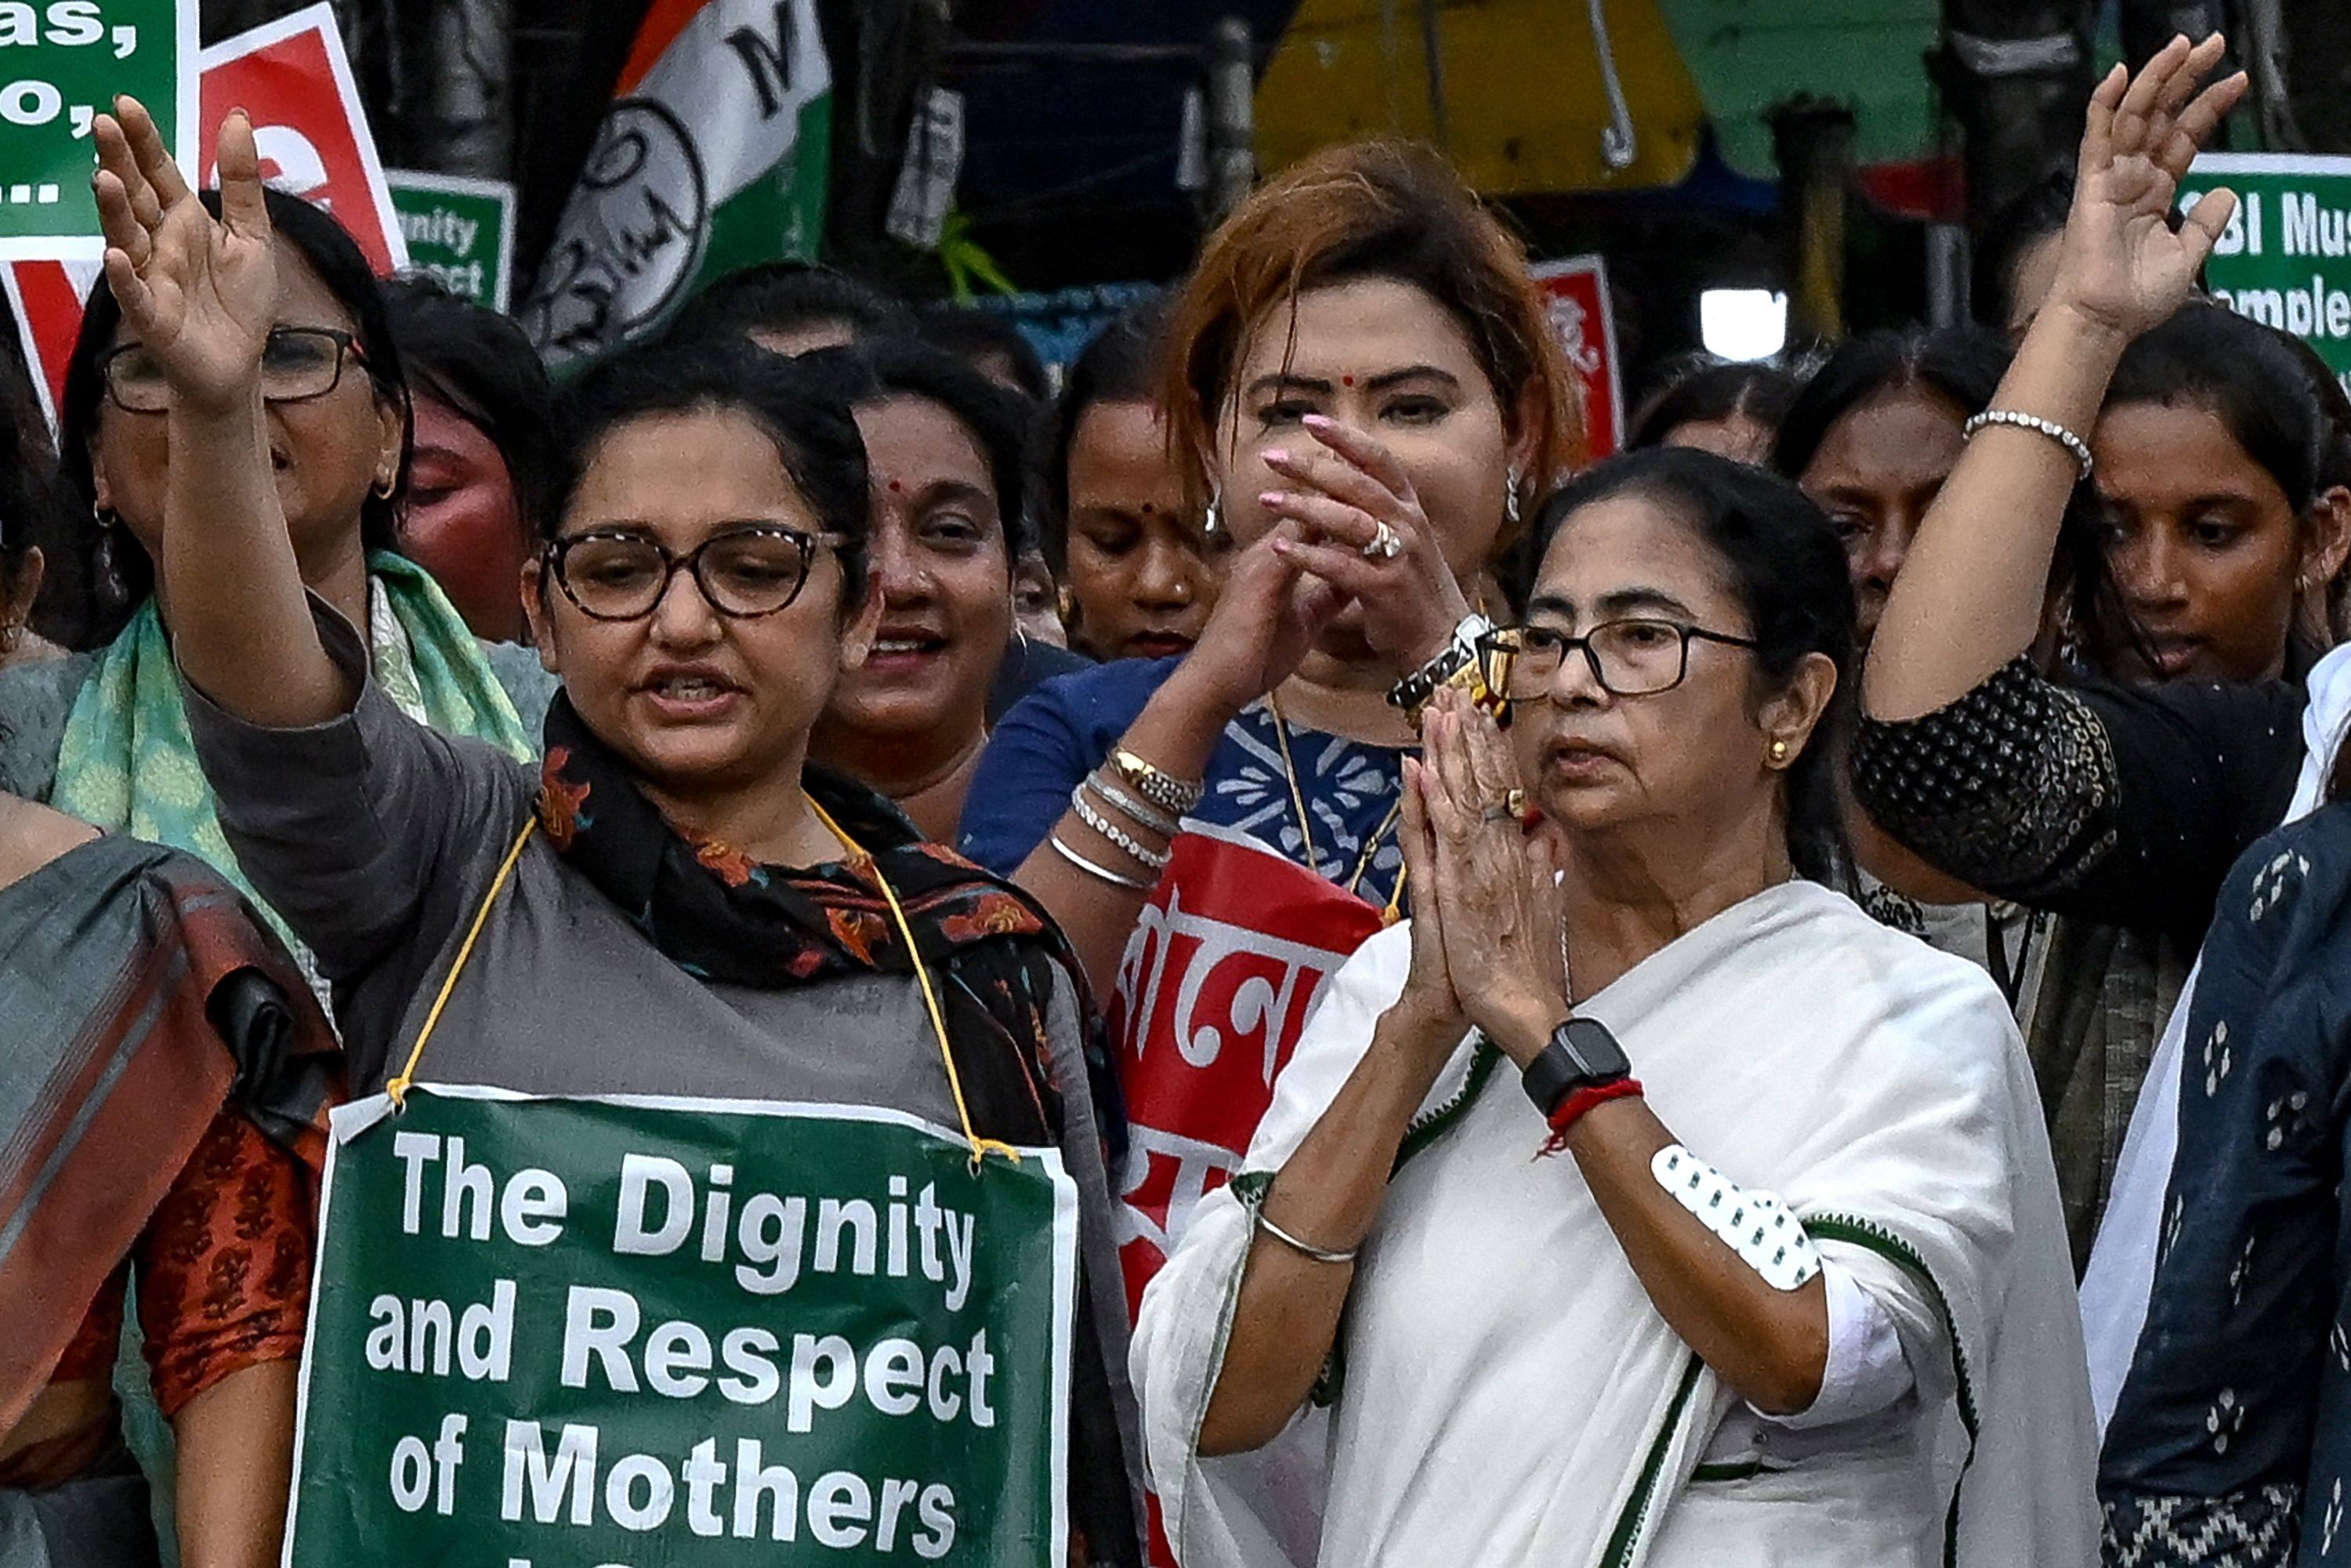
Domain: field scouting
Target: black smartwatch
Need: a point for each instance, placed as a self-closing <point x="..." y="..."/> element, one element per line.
<point x="1582" y="1054"/>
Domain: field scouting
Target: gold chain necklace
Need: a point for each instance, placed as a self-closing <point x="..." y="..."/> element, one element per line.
<point x="1305" y="829"/>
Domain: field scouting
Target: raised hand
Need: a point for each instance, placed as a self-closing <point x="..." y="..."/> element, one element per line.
<point x="2120" y="265"/>
<point x="199" y="293"/>
<point x="1266" y="617"/>
<point x="1353" y="498"/>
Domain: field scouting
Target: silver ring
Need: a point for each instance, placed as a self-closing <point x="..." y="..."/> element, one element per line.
<point x="1386" y="544"/>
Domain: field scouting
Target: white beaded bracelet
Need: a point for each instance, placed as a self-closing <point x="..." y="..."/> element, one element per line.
<point x="1133" y="847"/>
<point x="2075" y="445"/>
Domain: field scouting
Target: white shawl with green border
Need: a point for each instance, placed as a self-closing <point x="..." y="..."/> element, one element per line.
<point x="1506" y="1394"/>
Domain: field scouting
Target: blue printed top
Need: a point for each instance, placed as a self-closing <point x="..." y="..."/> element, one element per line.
<point x="1064" y="729"/>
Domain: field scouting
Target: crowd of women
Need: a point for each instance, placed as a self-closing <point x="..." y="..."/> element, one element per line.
<point x="1889" y="823"/>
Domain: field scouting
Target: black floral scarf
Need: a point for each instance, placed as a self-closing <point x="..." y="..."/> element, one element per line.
<point x="722" y="917"/>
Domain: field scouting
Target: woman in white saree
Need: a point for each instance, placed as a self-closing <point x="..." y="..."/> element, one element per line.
<point x="1765" y="1303"/>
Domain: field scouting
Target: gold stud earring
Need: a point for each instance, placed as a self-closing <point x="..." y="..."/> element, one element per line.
<point x="1779" y="751"/>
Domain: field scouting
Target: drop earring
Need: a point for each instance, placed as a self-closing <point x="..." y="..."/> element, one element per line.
<point x="105" y="560"/>
<point x="1213" y="522"/>
<point x="1511" y="496"/>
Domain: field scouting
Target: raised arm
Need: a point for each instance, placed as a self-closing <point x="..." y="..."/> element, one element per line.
<point x="201" y="293"/>
<point x="1970" y="594"/>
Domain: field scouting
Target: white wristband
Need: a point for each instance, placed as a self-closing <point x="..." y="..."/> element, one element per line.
<point x="1755" y="1225"/>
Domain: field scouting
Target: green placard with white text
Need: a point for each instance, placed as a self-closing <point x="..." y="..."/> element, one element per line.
<point x="460" y="232"/>
<point x="2285" y="258"/>
<point x="637" y="1333"/>
<point x="61" y="64"/>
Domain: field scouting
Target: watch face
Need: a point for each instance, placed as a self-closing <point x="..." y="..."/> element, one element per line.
<point x="1596" y="1052"/>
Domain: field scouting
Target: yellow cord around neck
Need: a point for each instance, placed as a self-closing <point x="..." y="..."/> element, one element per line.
<point x="398" y="1087"/>
<point x="981" y="1147"/>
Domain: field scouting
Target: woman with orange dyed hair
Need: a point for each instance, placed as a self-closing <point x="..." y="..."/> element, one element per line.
<point x="1362" y="388"/>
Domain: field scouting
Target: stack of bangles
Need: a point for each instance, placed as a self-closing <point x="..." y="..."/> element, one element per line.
<point x="1147" y="797"/>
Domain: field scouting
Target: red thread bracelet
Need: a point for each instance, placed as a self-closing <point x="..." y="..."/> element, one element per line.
<point x="1576" y="1106"/>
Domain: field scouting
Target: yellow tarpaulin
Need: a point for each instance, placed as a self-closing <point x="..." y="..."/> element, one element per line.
<point x="1527" y="100"/>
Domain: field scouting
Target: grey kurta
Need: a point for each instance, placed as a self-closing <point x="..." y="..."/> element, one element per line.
<point x="377" y="839"/>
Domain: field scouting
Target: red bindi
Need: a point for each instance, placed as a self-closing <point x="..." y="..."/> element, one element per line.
<point x="1346" y="380"/>
<point x="896" y="485"/>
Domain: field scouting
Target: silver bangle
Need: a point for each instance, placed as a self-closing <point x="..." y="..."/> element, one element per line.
<point x="1303" y="1249"/>
<point x="2075" y="445"/>
<point x="1133" y="847"/>
<point x="1098" y="872"/>
<point x="1158" y="821"/>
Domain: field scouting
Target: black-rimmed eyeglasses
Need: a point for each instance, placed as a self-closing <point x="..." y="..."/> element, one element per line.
<point x="297" y="363"/>
<point x="756" y="569"/>
<point x="1637" y="657"/>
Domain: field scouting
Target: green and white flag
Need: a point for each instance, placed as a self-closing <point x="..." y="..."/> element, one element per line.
<point x="645" y="1332"/>
<point x="712" y="157"/>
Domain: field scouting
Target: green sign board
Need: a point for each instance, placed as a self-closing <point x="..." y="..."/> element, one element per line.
<point x="620" y="1332"/>
<point x="61" y="63"/>
<point x="2285" y="258"/>
<point x="460" y="232"/>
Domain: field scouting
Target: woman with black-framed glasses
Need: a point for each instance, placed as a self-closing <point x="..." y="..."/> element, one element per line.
<point x="678" y="918"/>
<point x="1796" y="1248"/>
<point x="1634" y="656"/>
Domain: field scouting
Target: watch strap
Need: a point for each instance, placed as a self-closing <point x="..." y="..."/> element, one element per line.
<point x="1582" y="1054"/>
<point x="1458" y="664"/>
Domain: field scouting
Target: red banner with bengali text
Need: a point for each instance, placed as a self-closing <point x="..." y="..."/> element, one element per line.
<point x="1227" y="961"/>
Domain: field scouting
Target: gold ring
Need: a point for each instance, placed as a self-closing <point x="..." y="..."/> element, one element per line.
<point x="1513" y="808"/>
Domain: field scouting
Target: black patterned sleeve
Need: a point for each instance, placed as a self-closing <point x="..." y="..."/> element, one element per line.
<point x="2123" y="806"/>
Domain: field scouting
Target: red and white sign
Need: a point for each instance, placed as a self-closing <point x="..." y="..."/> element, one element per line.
<point x="1227" y="961"/>
<point x="44" y="297"/>
<point x="292" y="77"/>
<point x="1585" y="317"/>
<point x="1226" y="965"/>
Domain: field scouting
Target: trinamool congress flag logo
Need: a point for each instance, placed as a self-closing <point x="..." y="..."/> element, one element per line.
<point x="712" y="157"/>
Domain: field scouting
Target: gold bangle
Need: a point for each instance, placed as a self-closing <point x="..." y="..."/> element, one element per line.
<point x="1160" y="788"/>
